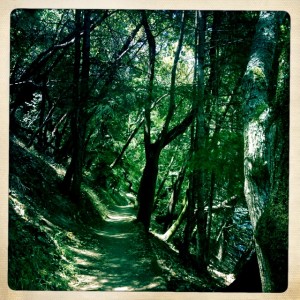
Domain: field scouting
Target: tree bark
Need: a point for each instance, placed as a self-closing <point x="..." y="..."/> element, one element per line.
<point x="190" y="221"/>
<point x="146" y="192"/>
<point x="79" y="122"/>
<point x="198" y="189"/>
<point x="209" y="213"/>
<point x="69" y="176"/>
<point x="256" y="117"/>
<point x="73" y="177"/>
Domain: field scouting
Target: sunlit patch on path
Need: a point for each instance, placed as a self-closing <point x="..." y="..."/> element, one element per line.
<point x="116" y="257"/>
<point x="122" y="214"/>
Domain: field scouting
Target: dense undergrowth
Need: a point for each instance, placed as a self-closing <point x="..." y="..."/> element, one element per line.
<point x="42" y="222"/>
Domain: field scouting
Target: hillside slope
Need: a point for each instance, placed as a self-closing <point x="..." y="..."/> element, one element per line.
<point x="55" y="246"/>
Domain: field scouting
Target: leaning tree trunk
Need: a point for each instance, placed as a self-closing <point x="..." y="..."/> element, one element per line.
<point x="172" y="230"/>
<point x="256" y="117"/>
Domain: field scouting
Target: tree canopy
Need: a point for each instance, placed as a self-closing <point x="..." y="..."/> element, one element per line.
<point x="183" y="113"/>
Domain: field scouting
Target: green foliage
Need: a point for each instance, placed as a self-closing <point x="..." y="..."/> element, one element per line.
<point x="258" y="73"/>
<point x="118" y="89"/>
<point x="259" y="109"/>
<point x="272" y="236"/>
<point x="35" y="263"/>
<point x="225" y="159"/>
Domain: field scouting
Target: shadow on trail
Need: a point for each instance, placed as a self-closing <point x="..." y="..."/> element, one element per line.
<point x="116" y="257"/>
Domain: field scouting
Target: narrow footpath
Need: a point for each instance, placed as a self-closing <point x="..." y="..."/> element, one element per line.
<point x="116" y="257"/>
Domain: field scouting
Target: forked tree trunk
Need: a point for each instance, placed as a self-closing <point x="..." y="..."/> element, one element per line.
<point x="147" y="186"/>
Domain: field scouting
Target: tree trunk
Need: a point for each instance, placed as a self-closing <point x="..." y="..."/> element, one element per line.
<point x="79" y="123"/>
<point x="198" y="189"/>
<point x="190" y="222"/>
<point x="146" y="192"/>
<point x="73" y="177"/>
<point x="209" y="213"/>
<point x="147" y="186"/>
<point x="67" y="181"/>
<point x="256" y="118"/>
<point x="195" y="191"/>
<point x="139" y="122"/>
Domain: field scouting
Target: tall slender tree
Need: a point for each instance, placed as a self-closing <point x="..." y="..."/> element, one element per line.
<point x="199" y="140"/>
<point x="73" y="177"/>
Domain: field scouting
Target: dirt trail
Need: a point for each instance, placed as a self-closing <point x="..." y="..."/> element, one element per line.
<point x="116" y="257"/>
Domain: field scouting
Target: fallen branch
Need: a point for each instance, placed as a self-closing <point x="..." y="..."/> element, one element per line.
<point x="171" y="231"/>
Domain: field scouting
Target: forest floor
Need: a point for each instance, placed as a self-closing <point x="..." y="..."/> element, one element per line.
<point x="116" y="257"/>
<point x="53" y="247"/>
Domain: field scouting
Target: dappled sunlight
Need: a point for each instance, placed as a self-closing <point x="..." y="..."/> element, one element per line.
<point x="131" y="197"/>
<point x="113" y="235"/>
<point x="151" y="286"/>
<point x="95" y="200"/>
<point x="228" y="278"/>
<point x="121" y="213"/>
<point x="148" y="150"/>
<point x="85" y="283"/>
<point x="24" y="211"/>
<point x="129" y="205"/>
<point x="113" y="259"/>
<point x="81" y="263"/>
<point x="113" y="281"/>
<point x="18" y="207"/>
<point x="60" y="171"/>
<point x="122" y="289"/>
<point x="85" y="252"/>
<point x="118" y="218"/>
